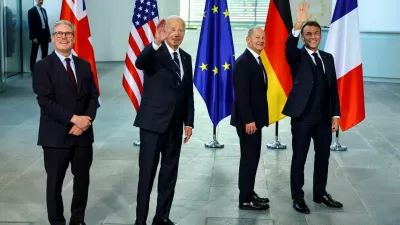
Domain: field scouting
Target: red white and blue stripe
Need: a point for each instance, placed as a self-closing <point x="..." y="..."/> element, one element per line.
<point x="343" y="42"/>
<point x="144" y="23"/>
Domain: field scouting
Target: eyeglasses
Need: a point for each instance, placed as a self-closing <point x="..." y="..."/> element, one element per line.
<point x="60" y="34"/>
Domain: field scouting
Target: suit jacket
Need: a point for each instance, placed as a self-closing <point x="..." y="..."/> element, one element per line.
<point x="162" y="96"/>
<point x="303" y="71"/>
<point x="250" y="103"/>
<point x="59" y="101"/>
<point x="35" y="24"/>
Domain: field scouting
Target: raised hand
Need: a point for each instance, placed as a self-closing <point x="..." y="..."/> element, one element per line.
<point x="161" y="33"/>
<point x="302" y="10"/>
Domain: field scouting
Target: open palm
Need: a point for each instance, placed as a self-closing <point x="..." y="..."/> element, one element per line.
<point x="161" y="32"/>
<point x="302" y="10"/>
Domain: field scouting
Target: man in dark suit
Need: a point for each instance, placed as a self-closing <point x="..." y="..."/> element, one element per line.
<point x="68" y="100"/>
<point x="313" y="105"/>
<point x="39" y="31"/>
<point x="250" y="115"/>
<point x="166" y="109"/>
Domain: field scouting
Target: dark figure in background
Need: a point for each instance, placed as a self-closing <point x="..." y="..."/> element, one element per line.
<point x="39" y="31"/>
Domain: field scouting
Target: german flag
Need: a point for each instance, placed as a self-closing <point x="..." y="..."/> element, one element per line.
<point x="277" y="27"/>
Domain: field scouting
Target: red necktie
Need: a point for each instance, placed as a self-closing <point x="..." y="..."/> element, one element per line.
<point x="71" y="73"/>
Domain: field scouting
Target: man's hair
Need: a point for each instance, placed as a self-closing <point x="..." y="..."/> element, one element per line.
<point x="66" y="22"/>
<point x="310" y="23"/>
<point x="174" y="17"/>
<point x="251" y="31"/>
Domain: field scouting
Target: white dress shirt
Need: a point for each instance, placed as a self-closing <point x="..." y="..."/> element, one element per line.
<point x="42" y="16"/>
<point x="171" y="52"/>
<point x="64" y="62"/>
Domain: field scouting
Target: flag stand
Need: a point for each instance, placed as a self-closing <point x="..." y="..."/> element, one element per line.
<point x="336" y="146"/>
<point x="276" y="144"/>
<point x="214" y="143"/>
<point x="136" y="143"/>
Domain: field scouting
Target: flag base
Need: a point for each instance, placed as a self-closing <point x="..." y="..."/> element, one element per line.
<point x="214" y="144"/>
<point x="336" y="146"/>
<point x="136" y="143"/>
<point x="276" y="144"/>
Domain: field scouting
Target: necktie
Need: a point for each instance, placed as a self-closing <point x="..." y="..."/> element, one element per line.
<point x="177" y="65"/>
<point x="263" y="69"/>
<point x="318" y="62"/>
<point x="71" y="73"/>
<point x="43" y="14"/>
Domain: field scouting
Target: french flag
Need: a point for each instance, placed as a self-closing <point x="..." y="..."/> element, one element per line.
<point x="343" y="42"/>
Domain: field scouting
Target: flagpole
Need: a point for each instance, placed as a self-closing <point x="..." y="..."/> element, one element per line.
<point x="214" y="143"/>
<point x="276" y="144"/>
<point x="336" y="146"/>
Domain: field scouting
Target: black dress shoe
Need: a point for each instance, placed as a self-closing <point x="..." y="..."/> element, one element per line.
<point x="301" y="206"/>
<point x="163" y="222"/>
<point x="137" y="223"/>
<point x="258" y="198"/>
<point x="328" y="201"/>
<point x="77" y="223"/>
<point x="253" y="205"/>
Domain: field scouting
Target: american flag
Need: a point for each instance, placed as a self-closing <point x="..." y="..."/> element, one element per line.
<point x="144" y="22"/>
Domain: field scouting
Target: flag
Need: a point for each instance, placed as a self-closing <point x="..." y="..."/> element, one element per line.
<point x="215" y="61"/>
<point x="75" y="13"/>
<point x="144" y="23"/>
<point x="343" y="42"/>
<point x="277" y="28"/>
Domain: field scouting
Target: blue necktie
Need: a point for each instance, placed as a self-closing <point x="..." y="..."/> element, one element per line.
<point x="177" y="65"/>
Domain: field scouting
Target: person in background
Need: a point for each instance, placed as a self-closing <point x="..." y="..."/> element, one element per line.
<point x="39" y="31"/>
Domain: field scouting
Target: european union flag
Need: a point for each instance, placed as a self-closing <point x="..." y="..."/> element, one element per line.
<point x="215" y="60"/>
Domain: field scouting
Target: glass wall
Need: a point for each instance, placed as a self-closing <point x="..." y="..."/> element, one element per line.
<point x="12" y="37"/>
<point x="2" y="78"/>
<point x="242" y="13"/>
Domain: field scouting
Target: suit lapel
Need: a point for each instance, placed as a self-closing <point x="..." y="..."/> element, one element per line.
<point x="254" y="61"/>
<point x="185" y="65"/>
<point x="325" y="61"/>
<point x="78" y="70"/>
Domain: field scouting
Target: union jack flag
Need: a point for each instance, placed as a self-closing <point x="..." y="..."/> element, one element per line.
<point x="144" y="23"/>
<point x="75" y="12"/>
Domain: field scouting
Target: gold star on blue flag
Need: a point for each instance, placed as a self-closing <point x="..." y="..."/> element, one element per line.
<point x="216" y="52"/>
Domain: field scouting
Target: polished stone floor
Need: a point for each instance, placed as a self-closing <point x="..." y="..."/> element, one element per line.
<point x="365" y="178"/>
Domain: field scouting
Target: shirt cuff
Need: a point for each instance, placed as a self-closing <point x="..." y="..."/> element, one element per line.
<point x="295" y="33"/>
<point x="189" y="127"/>
<point x="336" y="117"/>
<point x="155" y="46"/>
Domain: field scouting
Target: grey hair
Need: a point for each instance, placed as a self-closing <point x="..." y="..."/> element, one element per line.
<point x="66" y="22"/>
<point x="251" y="31"/>
<point x="175" y="17"/>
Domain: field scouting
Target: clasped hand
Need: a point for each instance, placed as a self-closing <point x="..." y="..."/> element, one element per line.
<point x="81" y="124"/>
